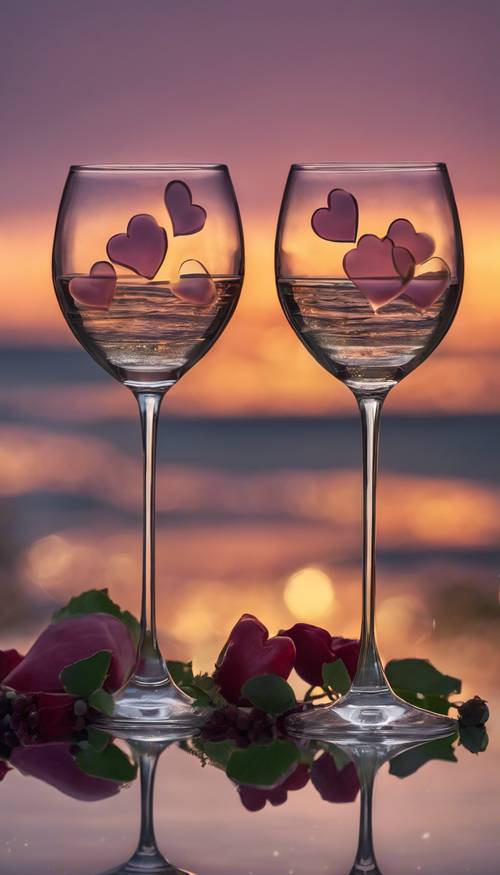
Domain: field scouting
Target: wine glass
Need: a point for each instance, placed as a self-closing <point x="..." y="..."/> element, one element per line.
<point x="369" y="268"/>
<point x="147" y="268"/>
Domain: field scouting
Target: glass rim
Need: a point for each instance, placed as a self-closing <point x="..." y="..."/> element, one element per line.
<point x="147" y="167"/>
<point x="363" y="166"/>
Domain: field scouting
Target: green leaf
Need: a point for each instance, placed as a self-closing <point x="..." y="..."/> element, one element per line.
<point x="473" y="738"/>
<point x="97" y="739"/>
<point x="98" y="601"/>
<point x="102" y="701"/>
<point x="270" y="693"/>
<point x="408" y="762"/>
<point x="83" y="677"/>
<point x="181" y="672"/>
<point x="263" y="766"/>
<point x="200" y="697"/>
<point x="438" y="704"/>
<point x="205" y="691"/>
<point x="336" y="676"/>
<point x="219" y="752"/>
<point x="420" y="676"/>
<point x="110" y="763"/>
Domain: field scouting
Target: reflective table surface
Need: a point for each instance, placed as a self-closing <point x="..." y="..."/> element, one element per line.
<point x="441" y="817"/>
<point x="260" y="516"/>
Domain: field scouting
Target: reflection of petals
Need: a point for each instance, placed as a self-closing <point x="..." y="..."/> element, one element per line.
<point x="426" y="287"/>
<point x="379" y="269"/>
<point x="54" y="764"/>
<point x="255" y="798"/>
<point x="333" y="784"/>
<point x="420" y="245"/>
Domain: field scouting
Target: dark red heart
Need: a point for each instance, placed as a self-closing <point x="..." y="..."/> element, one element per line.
<point x="339" y="221"/>
<point x="143" y="247"/>
<point x="186" y="217"/>
<point x="402" y="233"/>
<point x="97" y="289"/>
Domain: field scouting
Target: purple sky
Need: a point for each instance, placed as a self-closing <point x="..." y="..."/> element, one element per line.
<point x="256" y="84"/>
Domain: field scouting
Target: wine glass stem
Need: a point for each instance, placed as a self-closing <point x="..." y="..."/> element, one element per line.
<point x="151" y="668"/>
<point x="369" y="672"/>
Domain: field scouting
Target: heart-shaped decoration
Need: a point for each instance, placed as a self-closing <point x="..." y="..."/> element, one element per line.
<point x="379" y="269"/>
<point x="339" y="221"/>
<point x="250" y="652"/>
<point x="195" y="285"/>
<point x="97" y="289"/>
<point x="142" y="248"/>
<point x="402" y="233"/>
<point x="428" y="284"/>
<point x="186" y="217"/>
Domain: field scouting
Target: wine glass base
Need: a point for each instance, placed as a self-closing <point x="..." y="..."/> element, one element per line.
<point x="374" y="714"/>
<point x="139" y="863"/>
<point x="153" y="711"/>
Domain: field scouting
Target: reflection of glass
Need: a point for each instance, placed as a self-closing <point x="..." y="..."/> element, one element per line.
<point x="367" y="758"/>
<point x="148" y="266"/>
<point x="147" y="858"/>
<point x="369" y="269"/>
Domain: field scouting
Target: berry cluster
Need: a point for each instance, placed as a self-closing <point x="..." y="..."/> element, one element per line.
<point x="19" y="719"/>
<point x="242" y="725"/>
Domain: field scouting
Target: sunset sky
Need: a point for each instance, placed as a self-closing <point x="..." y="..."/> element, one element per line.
<point x="257" y="86"/>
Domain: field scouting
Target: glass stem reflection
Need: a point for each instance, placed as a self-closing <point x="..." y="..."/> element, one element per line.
<point x="369" y="673"/>
<point x="151" y="668"/>
<point x="147" y="765"/>
<point x="365" y="856"/>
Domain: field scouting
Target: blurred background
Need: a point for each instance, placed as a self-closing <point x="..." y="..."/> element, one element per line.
<point x="259" y="461"/>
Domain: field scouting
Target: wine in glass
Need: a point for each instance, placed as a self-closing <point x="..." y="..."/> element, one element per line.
<point x="369" y="268"/>
<point x="147" y="268"/>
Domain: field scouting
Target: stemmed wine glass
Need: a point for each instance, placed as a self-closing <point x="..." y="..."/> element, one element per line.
<point x="369" y="268"/>
<point x="147" y="268"/>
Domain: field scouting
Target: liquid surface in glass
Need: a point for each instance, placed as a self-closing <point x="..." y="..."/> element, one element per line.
<point x="149" y="336"/>
<point x="360" y="346"/>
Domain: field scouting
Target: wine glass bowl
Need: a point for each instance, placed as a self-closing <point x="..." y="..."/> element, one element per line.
<point x="369" y="269"/>
<point x="147" y="269"/>
<point x="366" y="321"/>
<point x="124" y="270"/>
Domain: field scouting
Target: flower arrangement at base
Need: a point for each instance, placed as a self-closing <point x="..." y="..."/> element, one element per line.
<point x="50" y="697"/>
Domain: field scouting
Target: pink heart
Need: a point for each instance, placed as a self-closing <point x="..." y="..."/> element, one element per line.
<point x="195" y="285"/>
<point x="339" y="221"/>
<point x="379" y="269"/>
<point x="402" y="233"/>
<point x="186" y="217"/>
<point x="97" y="289"/>
<point x="143" y="247"/>
<point x="426" y="287"/>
